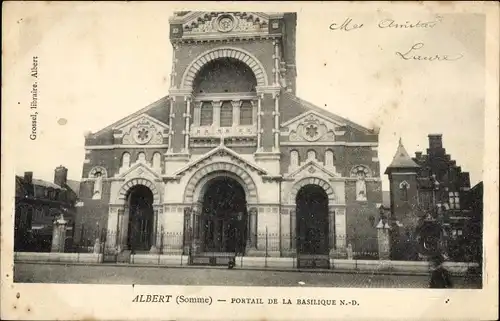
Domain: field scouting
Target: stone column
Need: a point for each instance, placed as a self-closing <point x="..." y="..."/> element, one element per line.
<point x="340" y="233"/>
<point x="154" y="246"/>
<point x="216" y="113"/>
<point x="236" y="112"/>
<point x="120" y="239"/>
<point x="197" y="114"/>
<point x="187" y="116"/>
<point x="331" y="231"/>
<point x="112" y="232"/>
<point x="384" y="247"/>
<point x="276" y="115"/>
<point x="251" y="247"/>
<point x="259" y="123"/>
<point x="124" y="228"/>
<point x="59" y="234"/>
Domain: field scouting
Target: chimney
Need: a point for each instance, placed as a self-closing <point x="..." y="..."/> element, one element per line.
<point x="435" y="141"/>
<point x="28" y="177"/>
<point x="418" y="155"/>
<point x="60" y="175"/>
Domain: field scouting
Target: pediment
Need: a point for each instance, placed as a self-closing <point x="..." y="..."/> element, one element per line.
<point x="312" y="167"/>
<point x="140" y="170"/>
<point x="217" y="154"/>
<point x="142" y="129"/>
<point x="224" y="22"/>
<point x="312" y="126"/>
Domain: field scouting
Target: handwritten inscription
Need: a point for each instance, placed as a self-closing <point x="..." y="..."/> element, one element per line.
<point x="413" y="54"/>
<point x="347" y="25"/>
<point x="391" y="23"/>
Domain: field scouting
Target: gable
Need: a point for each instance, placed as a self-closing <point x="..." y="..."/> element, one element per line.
<point x="140" y="170"/>
<point x="312" y="126"/>
<point x="143" y="129"/>
<point x="159" y="110"/>
<point x="221" y="151"/>
<point x="312" y="167"/>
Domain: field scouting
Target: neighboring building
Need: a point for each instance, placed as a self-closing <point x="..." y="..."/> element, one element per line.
<point x="232" y="159"/>
<point x="38" y="203"/>
<point x="430" y="198"/>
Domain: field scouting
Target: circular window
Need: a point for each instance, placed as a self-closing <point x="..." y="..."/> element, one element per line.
<point x="225" y="23"/>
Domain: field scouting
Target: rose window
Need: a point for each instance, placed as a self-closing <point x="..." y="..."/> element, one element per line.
<point x="225" y="23"/>
<point x="311" y="131"/>
<point x="143" y="134"/>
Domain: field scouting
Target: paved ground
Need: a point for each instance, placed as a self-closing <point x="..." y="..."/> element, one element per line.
<point x="101" y="274"/>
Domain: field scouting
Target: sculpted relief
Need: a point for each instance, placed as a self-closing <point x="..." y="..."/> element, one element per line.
<point x="225" y="22"/>
<point x="310" y="128"/>
<point x="142" y="130"/>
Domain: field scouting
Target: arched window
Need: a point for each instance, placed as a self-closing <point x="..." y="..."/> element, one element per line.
<point x="311" y="154"/>
<point x="246" y="113"/>
<point x="126" y="160"/>
<point x="226" y="114"/>
<point x="141" y="157"/>
<point x="206" y="114"/>
<point x="156" y="160"/>
<point x="404" y="190"/>
<point x="329" y="158"/>
<point x="294" y="158"/>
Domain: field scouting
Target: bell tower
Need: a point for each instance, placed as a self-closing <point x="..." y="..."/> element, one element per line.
<point x="402" y="174"/>
<point x="228" y="70"/>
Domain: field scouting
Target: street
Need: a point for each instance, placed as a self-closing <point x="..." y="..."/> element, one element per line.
<point x="109" y="274"/>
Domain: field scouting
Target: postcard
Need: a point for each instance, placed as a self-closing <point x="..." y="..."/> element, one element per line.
<point x="250" y="161"/>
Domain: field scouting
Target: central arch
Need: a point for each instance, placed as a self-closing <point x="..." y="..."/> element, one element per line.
<point x="223" y="216"/>
<point x="197" y="183"/>
<point x="225" y="52"/>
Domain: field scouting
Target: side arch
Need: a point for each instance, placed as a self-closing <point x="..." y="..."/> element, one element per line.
<point x="312" y="181"/>
<point x="126" y="187"/>
<point x="203" y="175"/>
<point x="225" y="52"/>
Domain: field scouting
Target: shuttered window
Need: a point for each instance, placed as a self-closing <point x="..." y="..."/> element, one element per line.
<point x="207" y="114"/>
<point x="246" y="113"/>
<point x="226" y="114"/>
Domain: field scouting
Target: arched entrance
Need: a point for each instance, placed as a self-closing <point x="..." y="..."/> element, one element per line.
<point x="141" y="217"/>
<point x="312" y="221"/>
<point x="224" y="216"/>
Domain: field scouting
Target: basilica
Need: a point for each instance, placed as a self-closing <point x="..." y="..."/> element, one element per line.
<point x="231" y="156"/>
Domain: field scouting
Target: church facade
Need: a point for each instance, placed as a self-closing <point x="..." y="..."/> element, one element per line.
<point x="231" y="155"/>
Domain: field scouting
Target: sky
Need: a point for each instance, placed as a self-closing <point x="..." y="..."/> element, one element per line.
<point x="98" y="63"/>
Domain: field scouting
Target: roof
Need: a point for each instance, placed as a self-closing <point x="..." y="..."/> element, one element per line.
<point x="74" y="185"/>
<point x="310" y="106"/>
<point x="41" y="182"/>
<point x="402" y="159"/>
<point x="159" y="114"/>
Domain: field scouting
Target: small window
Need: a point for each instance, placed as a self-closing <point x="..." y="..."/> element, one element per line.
<point x="246" y="113"/>
<point x="207" y="114"/>
<point x="404" y="190"/>
<point x="226" y="114"/>
<point x="294" y="158"/>
<point x="311" y="154"/>
<point x="454" y="200"/>
<point x="459" y="232"/>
